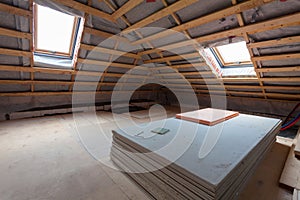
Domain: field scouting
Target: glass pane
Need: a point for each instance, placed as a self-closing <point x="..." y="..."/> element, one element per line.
<point x="234" y="53"/>
<point x="54" y="30"/>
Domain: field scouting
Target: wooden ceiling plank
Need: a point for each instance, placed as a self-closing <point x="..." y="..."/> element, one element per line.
<point x="277" y="57"/>
<point x="104" y="34"/>
<point x="160" y="14"/>
<point x="109" y="51"/>
<point x="276" y="42"/>
<point x="289" y="20"/>
<point x="82" y="7"/>
<point x="15" y="10"/>
<point x="247" y="39"/>
<point x="279" y="69"/>
<point x="126" y="8"/>
<point x="282" y="79"/>
<point x="172" y="58"/>
<point x="16" y="94"/>
<point x="12" y="52"/>
<point x="15" y="33"/>
<point x="205" y="19"/>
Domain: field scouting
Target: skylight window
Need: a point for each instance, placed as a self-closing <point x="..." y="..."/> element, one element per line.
<point x="235" y="54"/>
<point x="55" y="32"/>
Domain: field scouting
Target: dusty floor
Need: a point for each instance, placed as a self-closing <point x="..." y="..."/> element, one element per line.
<point x="43" y="159"/>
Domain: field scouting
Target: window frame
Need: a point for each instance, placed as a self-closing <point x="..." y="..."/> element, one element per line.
<point x="220" y="59"/>
<point x="76" y="23"/>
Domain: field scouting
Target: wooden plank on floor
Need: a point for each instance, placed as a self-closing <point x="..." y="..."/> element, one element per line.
<point x="264" y="182"/>
<point x="296" y="194"/>
<point x="297" y="146"/>
<point x="291" y="173"/>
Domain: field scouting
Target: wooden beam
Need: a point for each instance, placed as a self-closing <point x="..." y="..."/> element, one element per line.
<point x="172" y="58"/>
<point x="12" y="52"/>
<point x="16" y="94"/>
<point x="91" y="83"/>
<point x="105" y="63"/>
<point x="279" y="69"/>
<point x="277" y="57"/>
<point x="290" y="175"/>
<point x="296" y="88"/>
<point x="240" y="79"/>
<point x="82" y="7"/>
<point x="278" y="95"/>
<point x="125" y="8"/>
<point x="160" y="14"/>
<point x="246" y="87"/>
<point x="247" y="39"/>
<point x="205" y="19"/>
<point x="31" y="42"/>
<point x="109" y="51"/>
<point x="60" y="71"/>
<point x="15" y="10"/>
<point x="103" y="34"/>
<point x="185" y="73"/>
<point x="289" y="20"/>
<point x="297" y="146"/>
<point x="35" y="69"/>
<point x="189" y="65"/>
<point x="276" y="42"/>
<point x="14" y="33"/>
<point x="284" y="79"/>
<point x="29" y="82"/>
<point x="283" y="96"/>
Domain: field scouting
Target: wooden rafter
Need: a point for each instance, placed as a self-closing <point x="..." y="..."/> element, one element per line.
<point x="160" y="14"/>
<point x="276" y="42"/>
<point x="171" y="58"/>
<point x="14" y="33"/>
<point x="109" y="51"/>
<point x="289" y="20"/>
<point x="205" y="19"/>
<point x="125" y="8"/>
<point x="248" y="86"/>
<point x="279" y="69"/>
<point x="88" y="9"/>
<point x="13" y="52"/>
<point x="15" y="10"/>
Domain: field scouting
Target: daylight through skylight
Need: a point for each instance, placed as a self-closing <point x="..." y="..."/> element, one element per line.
<point x="54" y="31"/>
<point x="235" y="53"/>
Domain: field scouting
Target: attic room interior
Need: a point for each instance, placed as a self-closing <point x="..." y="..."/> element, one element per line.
<point x="150" y="99"/>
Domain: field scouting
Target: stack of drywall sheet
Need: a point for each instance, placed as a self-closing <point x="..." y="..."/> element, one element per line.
<point x="207" y="162"/>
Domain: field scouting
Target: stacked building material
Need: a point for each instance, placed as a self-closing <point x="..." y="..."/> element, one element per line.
<point x="191" y="160"/>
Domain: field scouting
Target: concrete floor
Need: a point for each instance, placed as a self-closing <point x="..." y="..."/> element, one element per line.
<point x="42" y="159"/>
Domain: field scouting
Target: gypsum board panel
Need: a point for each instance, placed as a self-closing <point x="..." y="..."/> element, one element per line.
<point x="245" y="131"/>
<point x="246" y="175"/>
<point x="167" y="185"/>
<point x="164" y="162"/>
<point x="155" y="182"/>
<point x="167" y="170"/>
<point x="193" y="187"/>
<point x="177" y="168"/>
<point x="161" y="160"/>
<point x="251" y="171"/>
<point x="168" y="181"/>
<point x="151" y="189"/>
<point x="242" y="169"/>
<point x="238" y="183"/>
<point x="255" y="152"/>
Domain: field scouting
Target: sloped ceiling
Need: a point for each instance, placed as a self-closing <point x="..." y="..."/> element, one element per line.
<point x="164" y="36"/>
